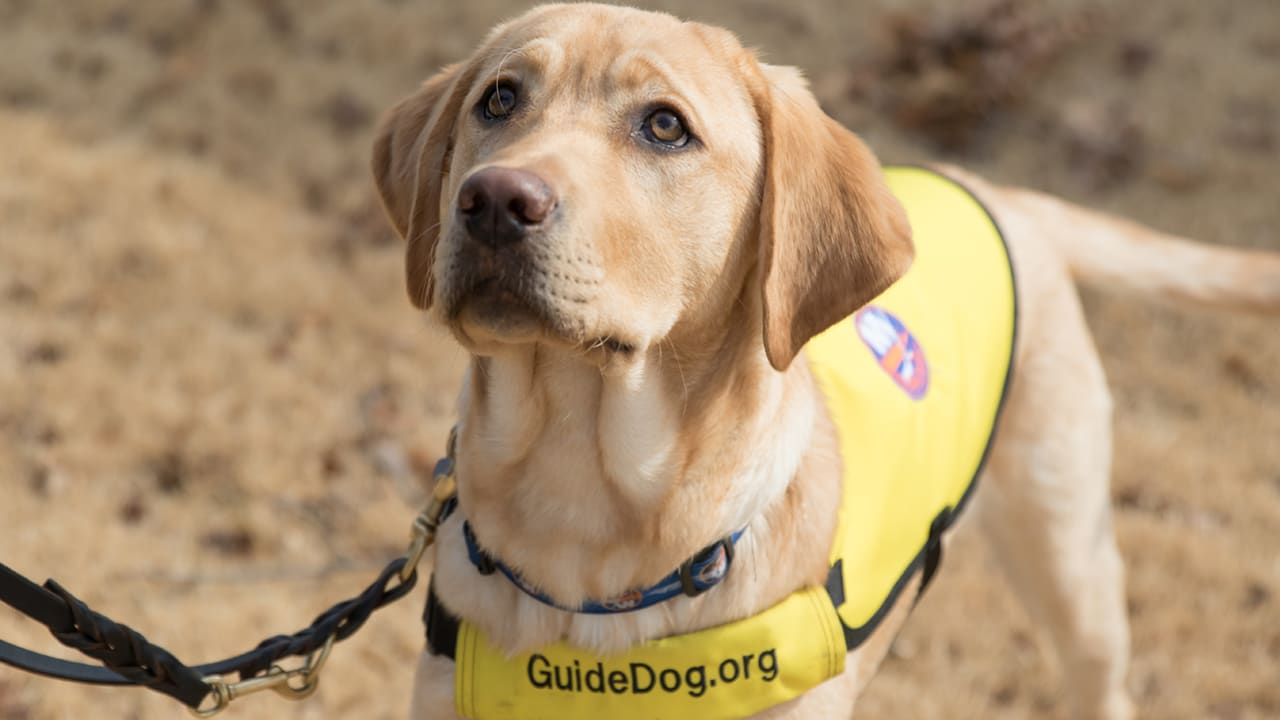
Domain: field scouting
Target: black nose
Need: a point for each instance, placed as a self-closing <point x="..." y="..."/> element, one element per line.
<point x="503" y="205"/>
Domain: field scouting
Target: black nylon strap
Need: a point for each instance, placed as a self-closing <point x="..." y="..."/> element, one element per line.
<point x="132" y="660"/>
<point x="933" y="548"/>
<point x="442" y="626"/>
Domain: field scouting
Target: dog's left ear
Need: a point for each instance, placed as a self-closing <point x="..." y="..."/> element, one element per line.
<point x="832" y="236"/>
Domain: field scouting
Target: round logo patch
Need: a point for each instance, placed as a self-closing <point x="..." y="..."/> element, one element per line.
<point x="895" y="348"/>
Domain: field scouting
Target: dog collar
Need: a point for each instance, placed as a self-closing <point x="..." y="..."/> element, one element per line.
<point x="695" y="576"/>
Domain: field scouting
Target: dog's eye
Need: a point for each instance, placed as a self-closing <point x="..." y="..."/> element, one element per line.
<point x="499" y="101"/>
<point x="664" y="126"/>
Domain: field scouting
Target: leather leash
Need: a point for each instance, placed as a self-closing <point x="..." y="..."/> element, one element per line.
<point x="128" y="658"/>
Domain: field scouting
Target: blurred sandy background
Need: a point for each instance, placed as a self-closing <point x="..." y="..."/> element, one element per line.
<point x="217" y="408"/>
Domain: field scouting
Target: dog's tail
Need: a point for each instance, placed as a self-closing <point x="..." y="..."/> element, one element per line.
<point x="1118" y="253"/>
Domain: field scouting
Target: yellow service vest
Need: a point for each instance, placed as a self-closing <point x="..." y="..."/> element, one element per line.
<point x="914" y="383"/>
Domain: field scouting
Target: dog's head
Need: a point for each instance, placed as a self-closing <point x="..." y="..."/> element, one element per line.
<point x="609" y="179"/>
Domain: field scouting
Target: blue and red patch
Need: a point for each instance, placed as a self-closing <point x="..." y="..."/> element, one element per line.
<point x="896" y="349"/>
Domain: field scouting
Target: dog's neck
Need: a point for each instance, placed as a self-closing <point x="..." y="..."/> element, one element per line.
<point x="592" y="482"/>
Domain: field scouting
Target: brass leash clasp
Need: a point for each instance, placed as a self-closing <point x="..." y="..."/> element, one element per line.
<point x="277" y="678"/>
<point x="428" y="521"/>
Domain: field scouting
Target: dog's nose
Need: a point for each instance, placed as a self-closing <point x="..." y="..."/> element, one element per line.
<point x="502" y="205"/>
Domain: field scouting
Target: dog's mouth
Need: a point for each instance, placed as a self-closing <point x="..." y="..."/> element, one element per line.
<point x="497" y="308"/>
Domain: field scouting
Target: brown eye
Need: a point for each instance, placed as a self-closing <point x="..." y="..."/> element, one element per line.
<point x="498" y="102"/>
<point x="665" y="126"/>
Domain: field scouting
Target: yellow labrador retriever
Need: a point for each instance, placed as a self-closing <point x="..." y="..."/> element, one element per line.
<point x="635" y="227"/>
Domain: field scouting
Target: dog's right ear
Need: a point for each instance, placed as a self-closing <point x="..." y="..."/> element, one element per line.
<point x="410" y="163"/>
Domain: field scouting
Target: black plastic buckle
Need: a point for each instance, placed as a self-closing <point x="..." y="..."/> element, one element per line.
<point x="687" y="585"/>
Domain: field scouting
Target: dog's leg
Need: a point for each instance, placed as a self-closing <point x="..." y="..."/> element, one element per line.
<point x="433" y="689"/>
<point x="1045" y="505"/>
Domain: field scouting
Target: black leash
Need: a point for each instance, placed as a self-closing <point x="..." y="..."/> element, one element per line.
<point x="130" y="659"/>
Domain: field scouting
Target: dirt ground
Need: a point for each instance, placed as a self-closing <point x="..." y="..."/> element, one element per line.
<point x="216" y="405"/>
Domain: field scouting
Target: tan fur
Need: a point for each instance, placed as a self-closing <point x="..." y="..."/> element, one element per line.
<point x="639" y="398"/>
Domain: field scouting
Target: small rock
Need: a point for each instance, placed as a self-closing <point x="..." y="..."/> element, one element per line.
<point x="1240" y="371"/>
<point x="1135" y="57"/>
<point x="331" y="463"/>
<point x="1256" y="596"/>
<point x="236" y="542"/>
<point x="347" y="113"/>
<point x="38" y="480"/>
<point x="48" y="435"/>
<point x="45" y="352"/>
<point x="1128" y="497"/>
<point x="169" y="471"/>
<point x="20" y="293"/>
<point x="1005" y="695"/>
<point x="133" y="510"/>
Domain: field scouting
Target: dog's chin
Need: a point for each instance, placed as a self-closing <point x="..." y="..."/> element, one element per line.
<point x="491" y="317"/>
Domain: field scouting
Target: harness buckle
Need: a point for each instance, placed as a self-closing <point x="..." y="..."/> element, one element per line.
<point x="277" y="679"/>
